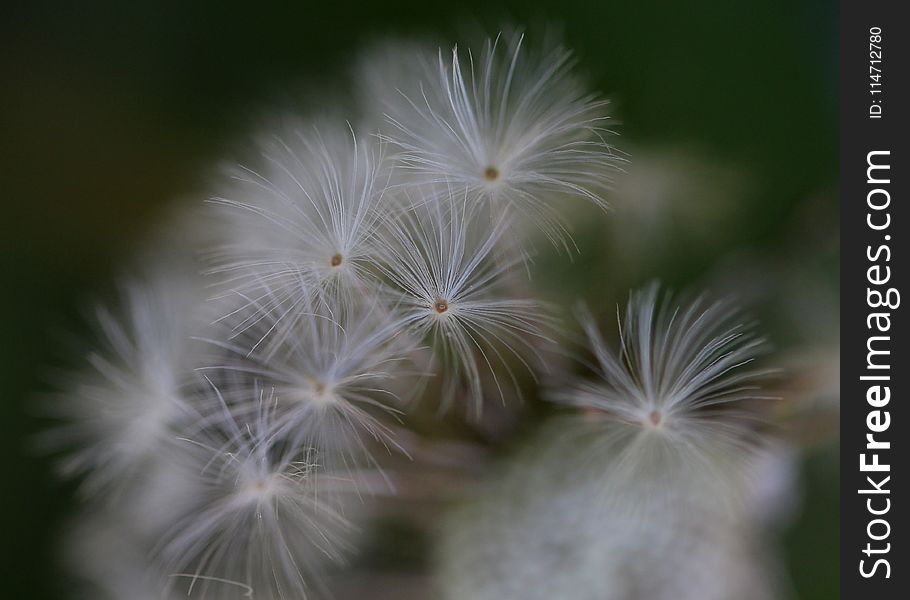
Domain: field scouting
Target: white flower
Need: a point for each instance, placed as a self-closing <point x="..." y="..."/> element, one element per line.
<point x="301" y="223"/>
<point x="512" y="127"/>
<point x="260" y="525"/>
<point x="116" y="415"/>
<point x="448" y="284"/>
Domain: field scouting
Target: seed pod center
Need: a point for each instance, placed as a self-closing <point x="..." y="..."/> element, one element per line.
<point x="336" y="260"/>
<point x="441" y="306"/>
<point x="491" y="174"/>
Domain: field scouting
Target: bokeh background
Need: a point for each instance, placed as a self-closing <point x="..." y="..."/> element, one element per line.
<point x="108" y="112"/>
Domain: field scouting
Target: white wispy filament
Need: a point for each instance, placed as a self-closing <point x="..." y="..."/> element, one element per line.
<point x="447" y="281"/>
<point x="115" y="415"/>
<point x="333" y="373"/>
<point x="259" y="526"/>
<point x="301" y="223"/>
<point x="512" y="127"/>
<point x="683" y="371"/>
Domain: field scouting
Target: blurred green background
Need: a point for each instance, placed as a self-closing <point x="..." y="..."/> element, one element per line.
<point x="110" y="111"/>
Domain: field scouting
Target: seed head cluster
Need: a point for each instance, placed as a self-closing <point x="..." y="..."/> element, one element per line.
<point x="237" y="422"/>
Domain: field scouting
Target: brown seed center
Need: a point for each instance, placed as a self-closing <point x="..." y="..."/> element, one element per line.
<point x="655" y="418"/>
<point x="336" y="260"/>
<point x="441" y="306"/>
<point x="491" y="174"/>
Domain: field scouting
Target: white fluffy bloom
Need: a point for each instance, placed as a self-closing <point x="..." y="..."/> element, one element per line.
<point x="116" y="414"/>
<point x="333" y="370"/>
<point x="512" y="126"/>
<point x="681" y="371"/>
<point x="676" y="408"/>
<point x="447" y="280"/>
<point x="260" y="526"/>
<point x="670" y="421"/>
<point x="300" y="223"/>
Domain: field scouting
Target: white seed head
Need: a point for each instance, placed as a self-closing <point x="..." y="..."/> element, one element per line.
<point x="300" y="223"/>
<point x="683" y="372"/>
<point x="447" y="280"/>
<point x="260" y="525"/>
<point x="117" y="413"/>
<point x="333" y="372"/>
<point x="511" y="126"/>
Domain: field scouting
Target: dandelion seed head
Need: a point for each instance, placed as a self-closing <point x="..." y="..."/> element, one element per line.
<point x="115" y="414"/>
<point x="260" y="522"/>
<point x="447" y="281"/>
<point x="300" y="222"/>
<point x="510" y="124"/>
<point x="332" y="370"/>
<point x="680" y="369"/>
